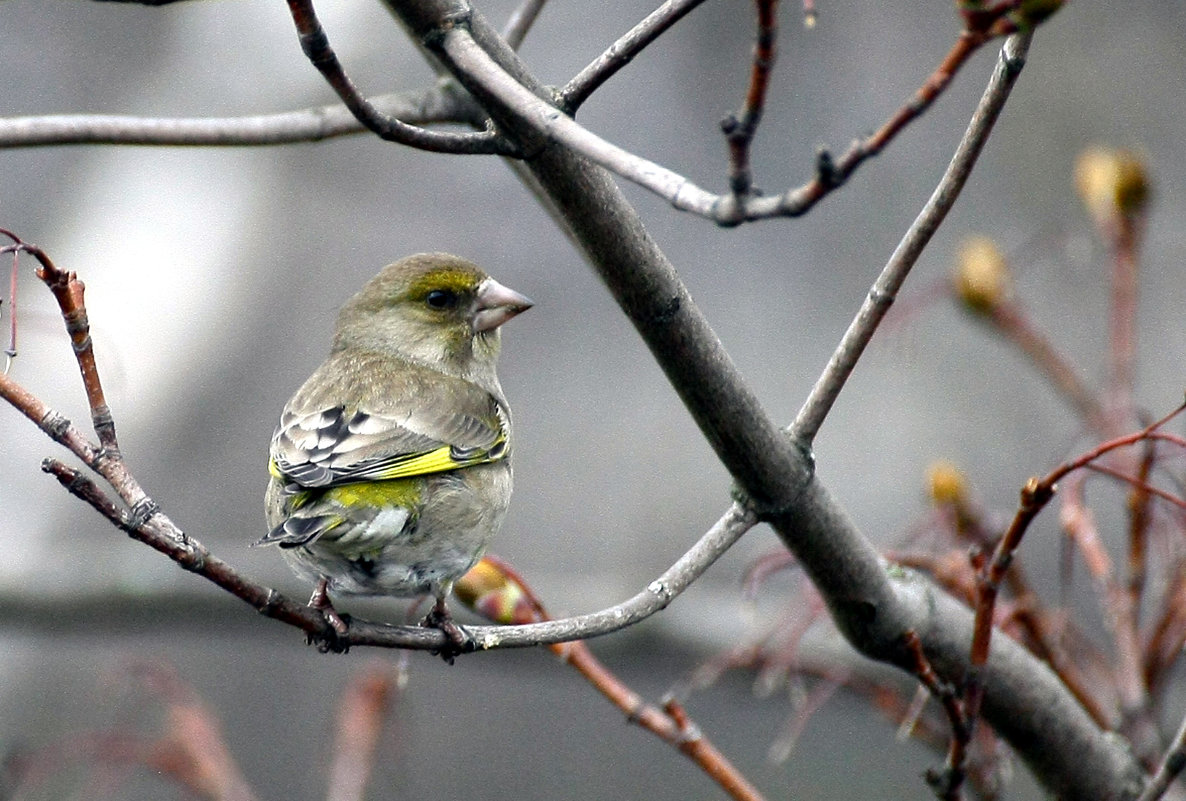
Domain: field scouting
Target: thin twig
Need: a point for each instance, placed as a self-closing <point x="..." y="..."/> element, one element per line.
<point x="1138" y="485"/>
<point x="947" y="783"/>
<point x="827" y="388"/>
<point x="1122" y="319"/>
<point x="458" y="44"/>
<point x="620" y="53"/>
<point x="1011" y="319"/>
<point x="437" y="104"/>
<point x="671" y="724"/>
<point x="1128" y="672"/>
<point x="740" y="127"/>
<point x="521" y="21"/>
<point x="316" y="47"/>
<point x="1170" y="767"/>
<point x="1034" y="497"/>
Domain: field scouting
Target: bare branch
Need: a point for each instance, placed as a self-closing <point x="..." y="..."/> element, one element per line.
<point x="741" y="127"/>
<point x="1036" y="493"/>
<point x="521" y="21"/>
<point x="481" y="71"/>
<point x="885" y="289"/>
<point x="1169" y="769"/>
<point x="495" y="590"/>
<point x="439" y="104"/>
<point x="947" y="783"/>
<point x="621" y="52"/>
<point x="315" y="44"/>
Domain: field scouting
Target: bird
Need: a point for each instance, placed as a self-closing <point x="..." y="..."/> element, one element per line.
<point x="390" y="468"/>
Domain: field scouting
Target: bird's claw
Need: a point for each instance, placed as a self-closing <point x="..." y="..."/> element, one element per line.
<point x="457" y="640"/>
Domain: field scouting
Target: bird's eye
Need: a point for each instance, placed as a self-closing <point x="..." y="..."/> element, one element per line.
<point x="441" y="299"/>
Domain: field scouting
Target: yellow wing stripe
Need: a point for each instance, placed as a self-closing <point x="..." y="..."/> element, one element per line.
<point x="434" y="461"/>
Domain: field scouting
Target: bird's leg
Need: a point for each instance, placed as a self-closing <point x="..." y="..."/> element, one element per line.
<point x="456" y="639"/>
<point x="321" y="602"/>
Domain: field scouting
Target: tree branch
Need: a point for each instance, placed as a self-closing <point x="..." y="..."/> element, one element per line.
<point x="885" y="289"/>
<point x="439" y="104"/>
<point x="316" y="47"/>
<point x="1069" y="754"/>
<point x="621" y="52"/>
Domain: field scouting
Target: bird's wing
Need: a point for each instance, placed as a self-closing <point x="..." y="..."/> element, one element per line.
<point x="384" y="421"/>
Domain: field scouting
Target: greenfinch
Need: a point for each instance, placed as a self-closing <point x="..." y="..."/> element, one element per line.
<point x="391" y="466"/>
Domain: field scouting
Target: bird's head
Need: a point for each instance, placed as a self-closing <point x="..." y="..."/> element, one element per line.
<point x="433" y="308"/>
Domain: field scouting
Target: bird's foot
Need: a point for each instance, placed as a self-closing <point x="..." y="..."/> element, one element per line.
<point x="457" y="640"/>
<point x="338" y="625"/>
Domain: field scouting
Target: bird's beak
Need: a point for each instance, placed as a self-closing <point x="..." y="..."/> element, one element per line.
<point x="496" y="305"/>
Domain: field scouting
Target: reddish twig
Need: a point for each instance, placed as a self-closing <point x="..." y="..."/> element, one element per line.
<point x="1011" y="319"/>
<point x="947" y="783"/>
<point x="1138" y="485"/>
<point x="1034" y="497"/>
<point x="68" y="291"/>
<point x="10" y="351"/>
<point x="499" y="580"/>
<point x="1128" y="674"/>
<point x="1168" y="635"/>
<point x="362" y="712"/>
<point x="316" y="47"/>
<point x="1122" y="320"/>
<point x="1139" y="520"/>
<point x="740" y="127"/>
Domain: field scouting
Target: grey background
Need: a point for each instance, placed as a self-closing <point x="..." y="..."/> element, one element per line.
<point x="213" y="277"/>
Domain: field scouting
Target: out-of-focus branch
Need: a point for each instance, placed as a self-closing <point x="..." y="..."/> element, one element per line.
<point x="363" y="710"/>
<point x="885" y="289"/>
<point x="1137" y="719"/>
<point x="438" y="104"/>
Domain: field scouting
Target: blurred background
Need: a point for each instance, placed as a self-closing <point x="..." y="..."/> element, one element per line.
<point x="213" y="277"/>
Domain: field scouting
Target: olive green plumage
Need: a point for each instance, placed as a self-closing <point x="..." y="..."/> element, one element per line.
<point x="391" y="464"/>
